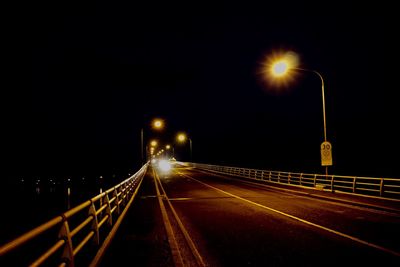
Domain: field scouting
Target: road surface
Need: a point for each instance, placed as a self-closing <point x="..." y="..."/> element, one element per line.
<point x="189" y="217"/>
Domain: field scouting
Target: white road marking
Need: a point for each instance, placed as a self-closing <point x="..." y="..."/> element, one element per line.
<point x="298" y="219"/>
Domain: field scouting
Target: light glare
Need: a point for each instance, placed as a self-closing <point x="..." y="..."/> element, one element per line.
<point x="164" y="165"/>
<point x="153" y="143"/>
<point x="280" y="68"/>
<point x="181" y="137"/>
<point x="158" y="123"/>
<point x="277" y="69"/>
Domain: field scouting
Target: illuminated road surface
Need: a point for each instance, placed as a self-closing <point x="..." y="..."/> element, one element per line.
<point x="224" y="222"/>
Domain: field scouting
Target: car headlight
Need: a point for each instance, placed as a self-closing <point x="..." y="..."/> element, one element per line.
<point x="164" y="165"/>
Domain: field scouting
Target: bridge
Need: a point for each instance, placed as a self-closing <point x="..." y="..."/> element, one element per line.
<point x="192" y="214"/>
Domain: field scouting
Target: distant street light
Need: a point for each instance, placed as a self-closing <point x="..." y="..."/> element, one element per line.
<point x="153" y="143"/>
<point x="280" y="68"/>
<point x="169" y="147"/>
<point x="182" y="137"/>
<point x="156" y="124"/>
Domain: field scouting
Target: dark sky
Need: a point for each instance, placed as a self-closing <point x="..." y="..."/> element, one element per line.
<point x="82" y="79"/>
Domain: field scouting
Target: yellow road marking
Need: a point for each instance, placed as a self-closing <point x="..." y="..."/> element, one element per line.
<point x="176" y="254"/>
<point x="194" y="250"/>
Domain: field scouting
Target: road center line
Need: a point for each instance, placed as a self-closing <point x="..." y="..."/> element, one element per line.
<point x="297" y="218"/>
<point x="176" y="254"/>
<point x="192" y="246"/>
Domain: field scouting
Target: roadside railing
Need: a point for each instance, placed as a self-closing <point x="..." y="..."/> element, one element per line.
<point x="381" y="187"/>
<point x="86" y="229"/>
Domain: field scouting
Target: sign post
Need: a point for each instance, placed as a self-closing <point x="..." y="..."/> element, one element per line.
<point x="326" y="154"/>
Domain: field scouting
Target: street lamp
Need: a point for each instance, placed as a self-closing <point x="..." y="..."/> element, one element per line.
<point x="153" y="143"/>
<point x="156" y="124"/>
<point x="182" y="137"/>
<point x="169" y="147"/>
<point x="279" y="70"/>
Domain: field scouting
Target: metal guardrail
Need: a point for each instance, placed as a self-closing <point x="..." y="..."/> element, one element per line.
<point x="381" y="187"/>
<point x="94" y="220"/>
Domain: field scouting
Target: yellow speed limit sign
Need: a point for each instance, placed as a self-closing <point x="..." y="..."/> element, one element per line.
<point x="326" y="154"/>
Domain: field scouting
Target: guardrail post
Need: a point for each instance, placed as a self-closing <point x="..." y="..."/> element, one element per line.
<point x="289" y="176"/>
<point x="279" y="177"/>
<point x="116" y="201"/>
<point x="381" y="188"/>
<point x="269" y="176"/>
<point x="332" y="185"/>
<point x="315" y="180"/>
<point x="108" y="209"/>
<point x="301" y="176"/>
<point x="95" y="224"/>
<point x="122" y="194"/>
<point x="68" y="252"/>
<point x="354" y="184"/>
<point x="128" y="190"/>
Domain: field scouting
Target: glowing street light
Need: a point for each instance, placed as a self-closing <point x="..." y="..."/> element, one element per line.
<point x="169" y="147"/>
<point x="153" y="143"/>
<point x="157" y="124"/>
<point x="182" y="137"/>
<point x="280" y="69"/>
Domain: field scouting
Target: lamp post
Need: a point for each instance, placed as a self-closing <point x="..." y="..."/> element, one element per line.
<point x="156" y="124"/>
<point x="280" y="68"/>
<point x="182" y="137"/>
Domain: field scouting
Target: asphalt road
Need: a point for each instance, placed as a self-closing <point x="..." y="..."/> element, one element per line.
<point x="225" y="222"/>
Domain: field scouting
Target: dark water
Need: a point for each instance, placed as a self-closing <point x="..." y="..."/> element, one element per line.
<point x="26" y="204"/>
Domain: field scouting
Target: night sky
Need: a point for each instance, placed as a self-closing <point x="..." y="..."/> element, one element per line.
<point x="81" y="80"/>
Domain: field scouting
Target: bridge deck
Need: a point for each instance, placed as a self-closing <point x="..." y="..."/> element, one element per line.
<point x="143" y="241"/>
